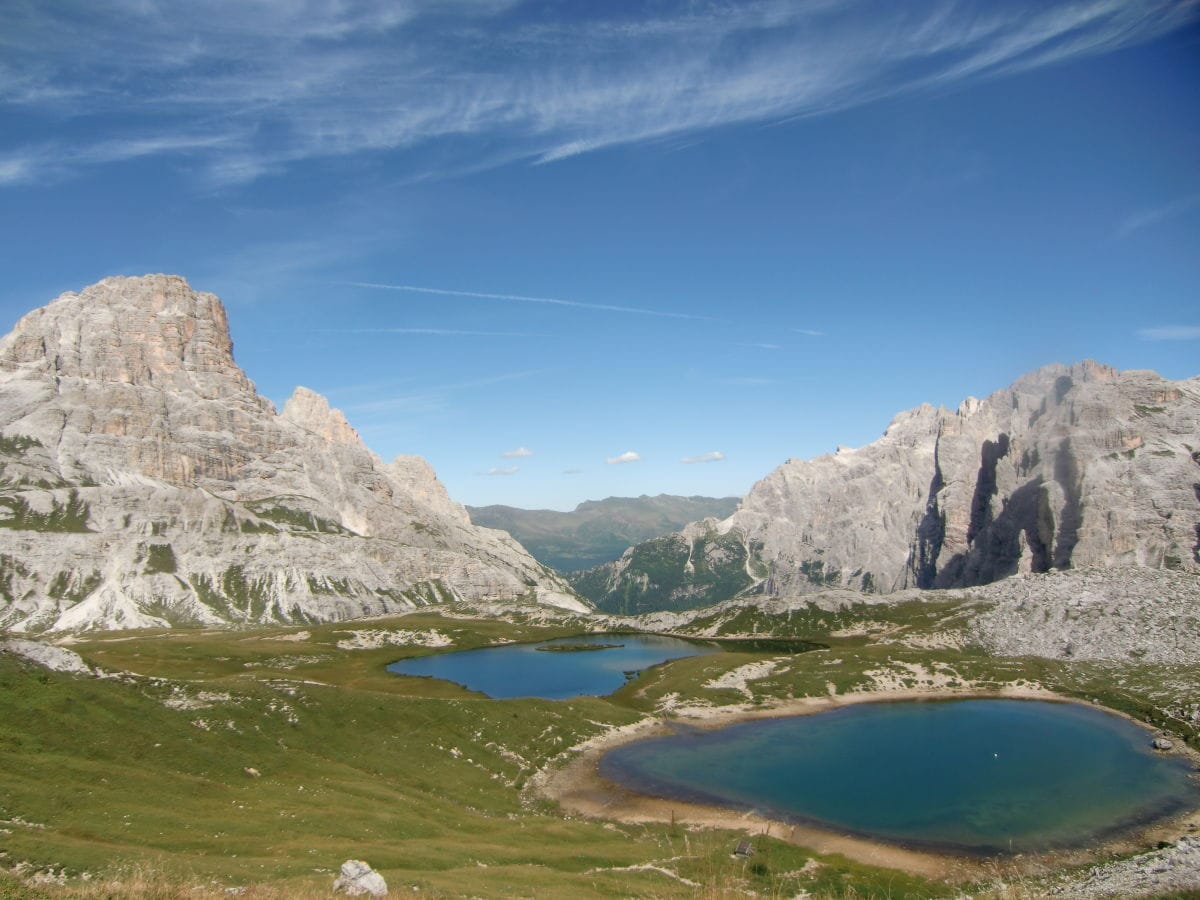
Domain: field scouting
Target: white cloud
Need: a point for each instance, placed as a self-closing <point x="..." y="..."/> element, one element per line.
<point x="714" y="456"/>
<point x="518" y="453"/>
<point x="270" y="84"/>
<point x="572" y="471"/>
<point x="1170" y="333"/>
<point x="809" y="331"/>
<point x="627" y="457"/>
<point x="503" y="470"/>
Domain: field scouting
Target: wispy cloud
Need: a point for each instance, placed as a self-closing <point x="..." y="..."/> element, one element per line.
<point x="627" y="457"/>
<point x="443" y="332"/>
<point x="809" y="332"/>
<point x="503" y="470"/>
<point x="743" y="381"/>
<point x="264" y="86"/>
<point x="519" y="453"/>
<point x="521" y="298"/>
<point x="434" y="396"/>
<point x="1170" y="333"/>
<point x="1148" y="218"/>
<point x="754" y="346"/>
<point x="572" y="471"/>
<point x="714" y="456"/>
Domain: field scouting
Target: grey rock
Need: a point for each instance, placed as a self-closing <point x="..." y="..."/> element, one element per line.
<point x="1163" y="744"/>
<point x="1070" y="466"/>
<point x="358" y="879"/>
<point x="144" y="482"/>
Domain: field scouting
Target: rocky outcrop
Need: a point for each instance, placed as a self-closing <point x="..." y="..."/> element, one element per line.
<point x="144" y="482"/>
<point x="1070" y="466"/>
<point x="1121" y="614"/>
<point x="357" y="879"/>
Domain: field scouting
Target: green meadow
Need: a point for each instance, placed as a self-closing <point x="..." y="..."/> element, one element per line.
<point x="262" y="759"/>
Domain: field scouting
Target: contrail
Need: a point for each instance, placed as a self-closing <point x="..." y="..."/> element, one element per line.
<point x="519" y="298"/>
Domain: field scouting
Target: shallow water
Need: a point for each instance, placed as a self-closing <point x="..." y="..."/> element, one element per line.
<point x="975" y="776"/>
<point x="522" y="670"/>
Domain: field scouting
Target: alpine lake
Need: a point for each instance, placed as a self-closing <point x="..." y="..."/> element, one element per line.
<point x="973" y="777"/>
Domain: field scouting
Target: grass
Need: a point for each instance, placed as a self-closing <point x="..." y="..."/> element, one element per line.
<point x="141" y="782"/>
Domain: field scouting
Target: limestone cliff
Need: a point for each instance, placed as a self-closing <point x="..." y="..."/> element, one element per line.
<point x="1070" y="466"/>
<point x="144" y="481"/>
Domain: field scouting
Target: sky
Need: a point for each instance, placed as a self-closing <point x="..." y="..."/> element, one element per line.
<point x="570" y="250"/>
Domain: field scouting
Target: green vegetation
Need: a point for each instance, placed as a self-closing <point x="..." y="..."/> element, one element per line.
<point x="74" y="586"/>
<point x="148" y="778"/>
<point x="670" y="573"/>
<point x="159" y="558"/>
<point x="68" y="516"/>
<point x="1148" y="410"/>
<point x="576" y="648"/>
<point x="598" y="531"/>
<point x="273" y="510"/>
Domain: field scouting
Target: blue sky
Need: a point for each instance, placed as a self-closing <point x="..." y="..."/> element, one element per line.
<point x="532" y="240"/>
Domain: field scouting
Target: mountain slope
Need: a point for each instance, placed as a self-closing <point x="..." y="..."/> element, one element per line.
<point x="1070" y="466"/>
<point x="145" y="482"/>
<point x="598" y="531"/>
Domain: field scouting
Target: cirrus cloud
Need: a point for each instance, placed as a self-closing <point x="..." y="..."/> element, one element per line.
<point x="503" y="470"/>
<point x="519" y="453"/>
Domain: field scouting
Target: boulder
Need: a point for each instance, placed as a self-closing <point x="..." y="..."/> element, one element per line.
<point x="358" y="879"/>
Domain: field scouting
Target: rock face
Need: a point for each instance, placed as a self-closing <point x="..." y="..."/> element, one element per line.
<point x="144" y="482"/>
<point x="1070" y="466"/>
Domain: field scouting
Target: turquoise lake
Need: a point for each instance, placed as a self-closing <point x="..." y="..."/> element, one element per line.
<point x="525" y="670"/>
<point x="971" y="776"/>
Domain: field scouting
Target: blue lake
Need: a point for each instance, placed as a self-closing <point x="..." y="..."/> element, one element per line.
<point x="976" y="776"/>
<point x="526" y="670"/>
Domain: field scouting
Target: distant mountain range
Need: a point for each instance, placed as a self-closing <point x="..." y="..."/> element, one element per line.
<point x="598" y="531"/>
<point x="1070" y="466"/>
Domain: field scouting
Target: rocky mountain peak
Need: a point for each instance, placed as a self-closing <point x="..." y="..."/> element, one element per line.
<point x="151" y="330"/>
<point x="144" y="482"/>
<point x="312" y="412"/>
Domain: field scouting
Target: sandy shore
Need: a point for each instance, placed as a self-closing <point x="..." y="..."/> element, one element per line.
<point x="579" y="789"/>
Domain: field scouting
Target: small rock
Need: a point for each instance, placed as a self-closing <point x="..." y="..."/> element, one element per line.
<point x="252" y="772"/>
<point x="1163" y="744"/>
<point x="358" y="878"/>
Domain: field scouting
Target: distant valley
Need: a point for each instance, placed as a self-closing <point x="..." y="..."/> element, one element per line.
<point x="598" y="531"/>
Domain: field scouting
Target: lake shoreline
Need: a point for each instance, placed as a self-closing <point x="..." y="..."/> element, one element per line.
<point x="579" y="789"/>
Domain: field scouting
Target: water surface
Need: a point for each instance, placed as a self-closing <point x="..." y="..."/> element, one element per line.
<point x="523" y="670"/>
<point x="976" y="776"/>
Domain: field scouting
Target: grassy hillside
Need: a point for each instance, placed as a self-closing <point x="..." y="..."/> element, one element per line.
<point x="145" y="776"/>
<point x="598" y="531"/>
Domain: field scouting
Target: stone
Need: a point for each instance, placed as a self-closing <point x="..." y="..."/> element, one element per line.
<point x="1163" y="744"/>
<point x="144" y="482"/>
<point x="358" y="879"/>
<point x="1070" y="466"/>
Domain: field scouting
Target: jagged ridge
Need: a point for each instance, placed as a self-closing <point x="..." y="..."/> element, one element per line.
<point x="1070" y="466"/>
<point x="147" y="483"/>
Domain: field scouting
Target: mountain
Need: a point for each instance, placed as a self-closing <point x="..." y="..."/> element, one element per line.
<point x="144" y="482"/>
<point x="598" y="531"/>
<point x="1070" y="466"/>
